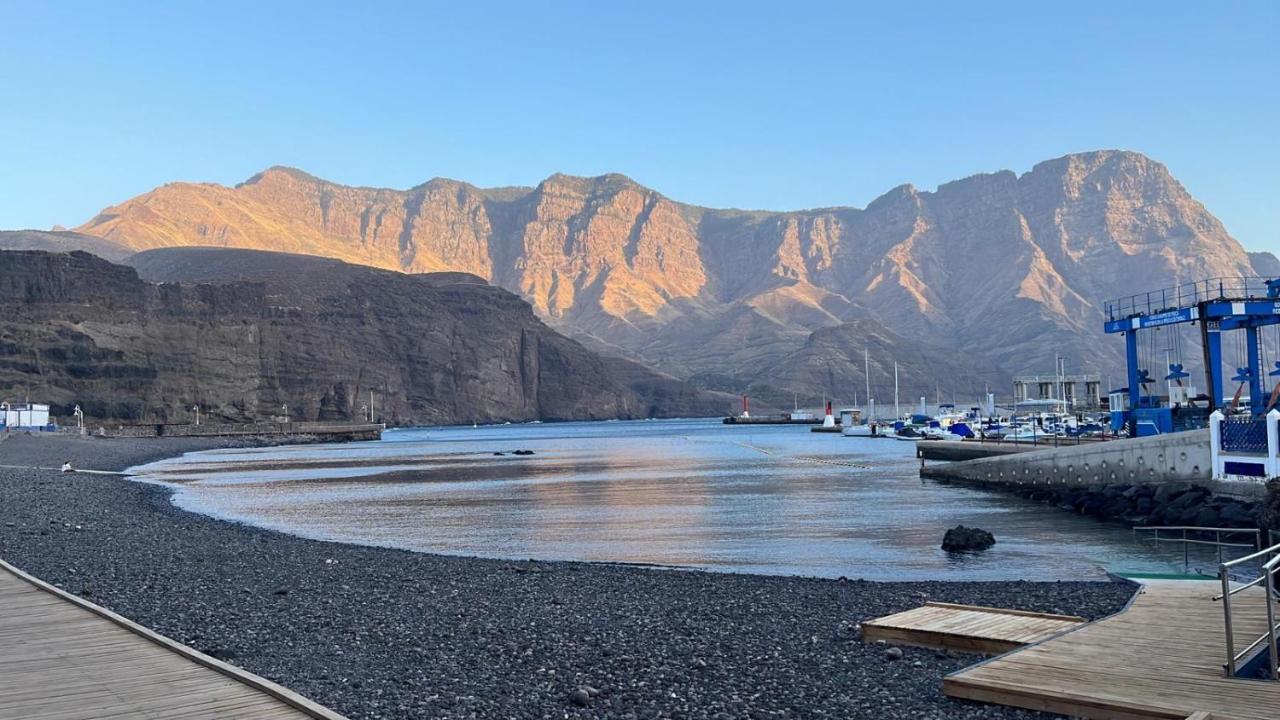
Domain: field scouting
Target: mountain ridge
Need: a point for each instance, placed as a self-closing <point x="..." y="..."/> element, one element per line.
<point x="1005" y="267"/>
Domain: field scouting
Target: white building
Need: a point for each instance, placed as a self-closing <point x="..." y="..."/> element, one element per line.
<point x="25" y="415"/>
<point x="1058" y="392"/>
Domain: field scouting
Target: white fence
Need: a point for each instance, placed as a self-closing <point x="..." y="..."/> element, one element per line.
<point x="1245" y="449"/>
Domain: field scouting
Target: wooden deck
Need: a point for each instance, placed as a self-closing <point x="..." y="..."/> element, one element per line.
<point x="1162" y="657"/>
<point x="63" y="658"/>
<point x="969" y="628"/>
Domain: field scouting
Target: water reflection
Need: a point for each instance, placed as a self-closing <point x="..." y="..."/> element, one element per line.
<point x="689" y="493"/>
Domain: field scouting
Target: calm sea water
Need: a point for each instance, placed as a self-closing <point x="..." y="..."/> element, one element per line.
<point x="692" y="493"/>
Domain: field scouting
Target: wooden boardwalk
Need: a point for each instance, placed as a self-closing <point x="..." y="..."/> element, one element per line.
<point x="970" y="628"/>
<point x="63" y="658"/>
<point x="1162" y="657"/>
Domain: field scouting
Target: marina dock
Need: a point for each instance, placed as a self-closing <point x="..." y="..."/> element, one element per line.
<point x="64" y="658"/>
<point x="1162" y="657"/>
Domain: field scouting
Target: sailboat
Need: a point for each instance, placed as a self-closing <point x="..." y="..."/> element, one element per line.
<point x="869" y="427"/>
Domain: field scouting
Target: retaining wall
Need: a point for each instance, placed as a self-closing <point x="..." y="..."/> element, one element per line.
<point x="326" y="430"/>
<point x="1177" y="459"/>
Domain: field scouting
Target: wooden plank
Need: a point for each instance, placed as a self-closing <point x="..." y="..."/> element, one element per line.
<point x="64" y="658"/>
<point x="1005" y="611"/>
<point x="920" y="638"/>
<point x="1161" y="658"/>
<point x="966" y="628"/>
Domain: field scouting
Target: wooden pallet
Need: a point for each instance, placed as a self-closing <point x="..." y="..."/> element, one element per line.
<point x="1160" y="658"/>
<point x="968" y="628"/>
<point x="64" y="658"/>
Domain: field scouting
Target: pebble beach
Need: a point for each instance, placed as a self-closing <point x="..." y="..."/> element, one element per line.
<point x="382" y="633"/>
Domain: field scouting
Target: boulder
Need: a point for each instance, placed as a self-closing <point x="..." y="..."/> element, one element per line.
<point x="1207" y="517"/>
<point x="1238" y="515"/>
<point x="1166" y="493"/>
<point x="963" y="539"/>
<point x="1189" y="499"/>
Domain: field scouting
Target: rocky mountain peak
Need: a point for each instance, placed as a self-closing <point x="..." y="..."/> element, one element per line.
<point x="283" y="174"/>
<point x="995" y="265"/>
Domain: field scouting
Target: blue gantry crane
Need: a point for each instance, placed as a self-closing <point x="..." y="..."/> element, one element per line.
<point x="1218" y="306"/>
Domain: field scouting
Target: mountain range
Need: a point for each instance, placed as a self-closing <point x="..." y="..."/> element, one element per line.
<point x="962" y="286"/>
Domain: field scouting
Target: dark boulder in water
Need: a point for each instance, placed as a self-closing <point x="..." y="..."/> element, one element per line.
<point x="963" y="539"/>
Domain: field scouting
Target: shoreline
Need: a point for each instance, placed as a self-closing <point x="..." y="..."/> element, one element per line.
<point x="376" y="632"/>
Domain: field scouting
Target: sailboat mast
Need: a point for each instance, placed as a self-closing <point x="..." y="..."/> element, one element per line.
<point x="866" y="372"/>
<point x="897" y="413"/>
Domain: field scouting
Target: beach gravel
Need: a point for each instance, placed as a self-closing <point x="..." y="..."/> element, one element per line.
<point x="380" y="633"/>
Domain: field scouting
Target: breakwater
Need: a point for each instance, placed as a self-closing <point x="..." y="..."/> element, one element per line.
<point x="1161" y="480"/>
<point x="328" y="431"/>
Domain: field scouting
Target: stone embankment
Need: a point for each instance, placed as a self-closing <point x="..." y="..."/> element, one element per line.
<point x="1152" y="505"/>
<point x="291" y="430"/>
<point x="1154" y="481"/>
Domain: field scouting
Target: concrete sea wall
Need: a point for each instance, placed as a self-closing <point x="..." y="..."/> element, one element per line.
<point x="1160" y="480"/>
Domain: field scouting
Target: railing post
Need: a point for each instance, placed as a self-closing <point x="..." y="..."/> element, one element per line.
<point x="1226" y="618"/>
<point x="1271" y="623"/>
<point x="1215" y="443"/>
<point x="1273" y="443"/>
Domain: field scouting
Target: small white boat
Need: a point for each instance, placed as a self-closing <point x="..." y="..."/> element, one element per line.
<point x="867" y="430"/>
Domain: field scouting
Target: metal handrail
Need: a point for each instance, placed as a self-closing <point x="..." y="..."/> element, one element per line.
<point x="1185" y="294"/>
<point x="1267" y="577"/>
<point x="1216" y="541"/>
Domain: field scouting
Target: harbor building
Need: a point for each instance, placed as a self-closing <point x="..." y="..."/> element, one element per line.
<point x="1081" y="391"/>
<point x="14" y="416"/>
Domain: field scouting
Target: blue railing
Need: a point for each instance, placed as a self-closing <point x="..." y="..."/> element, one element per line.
<point x="1186" y="295"/>
<point x="1244" y="435"/>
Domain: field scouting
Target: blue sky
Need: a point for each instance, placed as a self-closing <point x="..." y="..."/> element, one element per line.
<point x="732" y="104"/>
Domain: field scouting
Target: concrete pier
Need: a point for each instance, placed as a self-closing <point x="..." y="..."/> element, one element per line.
<point x="1174" y="458"/>
<point x="960" y="450"/>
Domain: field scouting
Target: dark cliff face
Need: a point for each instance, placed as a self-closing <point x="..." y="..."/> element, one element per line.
<point x="316" y="335"/>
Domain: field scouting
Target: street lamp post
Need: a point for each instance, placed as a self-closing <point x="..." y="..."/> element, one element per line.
<point x="197" y="409"/>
